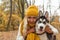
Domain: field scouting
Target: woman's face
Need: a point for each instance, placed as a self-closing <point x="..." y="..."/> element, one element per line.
<point x="31" y="19"/>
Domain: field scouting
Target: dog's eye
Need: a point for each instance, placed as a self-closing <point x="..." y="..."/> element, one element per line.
<point x="44" y="22"/>
<point x="39" y="22"/>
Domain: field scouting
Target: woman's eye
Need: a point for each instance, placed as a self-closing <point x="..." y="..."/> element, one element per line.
<point x="34" y="17"/>
<point x="29" y="17"/>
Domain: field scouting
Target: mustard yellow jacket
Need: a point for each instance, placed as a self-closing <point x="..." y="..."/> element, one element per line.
<point x="30" y="36"/>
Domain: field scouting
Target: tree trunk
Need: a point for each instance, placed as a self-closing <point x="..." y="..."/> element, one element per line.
<point x="9" y="21"/>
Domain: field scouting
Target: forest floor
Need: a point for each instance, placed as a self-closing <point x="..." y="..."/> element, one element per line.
<point x="11" y="35"/>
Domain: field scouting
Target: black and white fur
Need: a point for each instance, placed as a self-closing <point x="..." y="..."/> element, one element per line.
<point x="40" y="29"/>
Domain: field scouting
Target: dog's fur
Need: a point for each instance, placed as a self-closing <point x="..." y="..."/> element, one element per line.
<point x="40" y="29"/>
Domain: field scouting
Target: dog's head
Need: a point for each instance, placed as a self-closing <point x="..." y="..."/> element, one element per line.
<point x="41" y="24"/>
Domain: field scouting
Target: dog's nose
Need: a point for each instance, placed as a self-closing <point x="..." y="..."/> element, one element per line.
<point x="41" y="27"/>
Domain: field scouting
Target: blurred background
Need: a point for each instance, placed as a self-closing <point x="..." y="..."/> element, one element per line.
<point x="12" y="13"/>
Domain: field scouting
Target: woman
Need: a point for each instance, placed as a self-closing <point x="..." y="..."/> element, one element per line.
<point x="27" y="26"/>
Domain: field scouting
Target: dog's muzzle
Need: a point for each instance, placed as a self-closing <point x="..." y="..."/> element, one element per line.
<point x="41" y="27"/>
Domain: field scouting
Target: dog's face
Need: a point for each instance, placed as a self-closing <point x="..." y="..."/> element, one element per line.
<point x="41" y="24"/>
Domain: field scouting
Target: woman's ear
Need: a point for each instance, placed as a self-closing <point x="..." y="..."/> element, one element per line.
<point x="37" y="18"/>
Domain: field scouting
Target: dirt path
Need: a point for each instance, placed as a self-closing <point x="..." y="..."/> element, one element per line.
<point x="8" y="35"/>
<point x="12" y="35"/>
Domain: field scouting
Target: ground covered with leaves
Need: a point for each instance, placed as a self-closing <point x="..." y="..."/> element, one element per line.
<point x="10" y="35"/>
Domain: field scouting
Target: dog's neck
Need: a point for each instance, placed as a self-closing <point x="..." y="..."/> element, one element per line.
<point x="41" y="33"/>
<point x="43" y="37"/>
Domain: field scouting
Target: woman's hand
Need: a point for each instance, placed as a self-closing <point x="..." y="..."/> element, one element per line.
<point x="48" y="30"/>
<point x="28" y="31"/>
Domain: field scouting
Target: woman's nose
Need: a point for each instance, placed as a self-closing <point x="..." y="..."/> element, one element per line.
<point x="32" y="20"/>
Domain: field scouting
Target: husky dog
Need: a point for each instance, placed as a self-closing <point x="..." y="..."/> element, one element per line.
<point x="41" y="25"/>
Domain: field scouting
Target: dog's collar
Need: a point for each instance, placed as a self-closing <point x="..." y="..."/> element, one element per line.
<point x="41" y="33"/>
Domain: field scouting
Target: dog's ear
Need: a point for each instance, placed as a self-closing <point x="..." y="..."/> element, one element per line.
<point x="46" y="14"/>
<point x="40" y="13"/>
